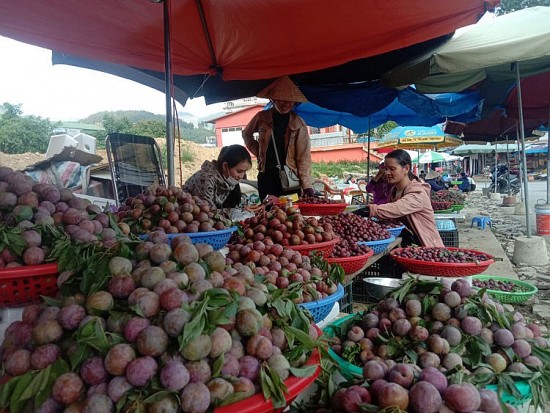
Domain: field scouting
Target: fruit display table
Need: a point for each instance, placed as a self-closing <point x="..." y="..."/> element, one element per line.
<point x="455" y="216"/>
<point x="396" y="243"/>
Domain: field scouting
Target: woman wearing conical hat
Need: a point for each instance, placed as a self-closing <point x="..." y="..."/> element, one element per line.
<point x="282" y="127"/>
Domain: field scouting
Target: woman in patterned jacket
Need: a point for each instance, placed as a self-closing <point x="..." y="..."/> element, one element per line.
<point x="217" y="182"/>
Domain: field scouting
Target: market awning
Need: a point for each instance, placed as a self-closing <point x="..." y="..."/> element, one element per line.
<point x="239" y="39"/>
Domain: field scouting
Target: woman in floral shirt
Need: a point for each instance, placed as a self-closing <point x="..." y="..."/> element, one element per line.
<point x="217" y="182"/>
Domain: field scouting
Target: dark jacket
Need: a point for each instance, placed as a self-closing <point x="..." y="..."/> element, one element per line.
<point x="436" y="186"/>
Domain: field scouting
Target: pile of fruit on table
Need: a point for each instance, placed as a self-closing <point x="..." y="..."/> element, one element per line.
<point x="440" y="206"/>
<point x="430" y="347"/>
<point x="165" y="325"/>
<point x="454" y="196"/>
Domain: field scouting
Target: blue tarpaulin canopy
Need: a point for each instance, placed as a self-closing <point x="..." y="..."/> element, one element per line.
<point x="536" y="149"/>
<point x="364" y="106"/>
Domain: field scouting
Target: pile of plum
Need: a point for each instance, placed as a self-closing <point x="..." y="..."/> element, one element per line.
<point x="440" y="206"/>
<point x="389" y="223"/>
<point x="345" y="249"/>
<point x="27" y="208"/>
<point x="355" y="228"/>
<point x="442" y="254"/>
<point x="497" y="285"/>
<point x="169" y="209"/>
<point x="318" y="200"/>
<point x="430" y="348"/>
<point x="170" y="330"/>
<point x="454" y="196"/>
<point x="279" y="266"/>
<point x="286" y="226"/>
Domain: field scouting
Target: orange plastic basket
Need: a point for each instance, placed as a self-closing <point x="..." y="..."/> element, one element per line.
<point x="324" y="247"/>
<point x="443" y="269"/>
<point x="351" y="264"/>
<point x="321" y="209"/>
<point x="25" y="284"/>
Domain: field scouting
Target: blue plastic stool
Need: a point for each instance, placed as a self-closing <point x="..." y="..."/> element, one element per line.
<point x="481" y="221"/>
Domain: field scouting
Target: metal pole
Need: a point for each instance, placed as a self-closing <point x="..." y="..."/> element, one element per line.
<point x="548" y="159"/>
<point x="496" y="168"/>
<point x="507" y="164"/>
<point x="520" y="178"/>
<point x="368" y="154"/>
<point x="523" y="156"/>
<point x="169" y="81"/>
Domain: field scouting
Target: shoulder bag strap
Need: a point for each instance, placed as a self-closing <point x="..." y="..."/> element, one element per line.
<point x="276" y="152"/>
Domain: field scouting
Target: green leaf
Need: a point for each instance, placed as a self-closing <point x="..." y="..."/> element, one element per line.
<point x="305" y="371"/>
<point x="52" y="302"/>
<point x="266" y="384"/>
<point x="157" y="396"/>
<point x="7" y="390"/>
<point x="217" y="366"/>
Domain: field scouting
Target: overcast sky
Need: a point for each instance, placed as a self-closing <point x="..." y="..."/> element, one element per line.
<point x="62" y="92"/>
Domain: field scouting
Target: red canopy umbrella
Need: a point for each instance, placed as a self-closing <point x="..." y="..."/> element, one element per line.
<point x="238" y="39"/>
<point x="234" y="40"/>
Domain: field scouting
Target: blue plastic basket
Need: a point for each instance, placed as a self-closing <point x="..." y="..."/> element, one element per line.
<point x="378" y="246"/>
<point x="217" y="239"/>
<point x="396" y="231"/>
<point x="320" y="309"/>
<point x="445" y="224"/>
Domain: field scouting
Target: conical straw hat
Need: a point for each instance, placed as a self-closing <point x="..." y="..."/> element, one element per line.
<point x="283" y="89"/>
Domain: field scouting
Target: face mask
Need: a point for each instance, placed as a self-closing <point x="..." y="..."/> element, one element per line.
<point x="231" y="181"/>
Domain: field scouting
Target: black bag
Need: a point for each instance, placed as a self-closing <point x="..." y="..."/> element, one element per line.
<point x="289" y="180"/>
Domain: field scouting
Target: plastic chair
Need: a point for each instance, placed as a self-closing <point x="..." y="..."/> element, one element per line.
<point x="135" y="162"/>
<point x="481" y="222"/>
<point x="327" y="191"/>
<point x="357" y="197"/>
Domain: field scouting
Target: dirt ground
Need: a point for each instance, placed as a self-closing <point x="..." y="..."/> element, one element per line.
<point x="199" y="155"/>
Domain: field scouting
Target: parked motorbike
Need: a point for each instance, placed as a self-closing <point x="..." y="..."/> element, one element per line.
<point x="507" y="181"/>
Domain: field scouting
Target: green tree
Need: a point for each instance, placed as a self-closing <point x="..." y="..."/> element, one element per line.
<point x="152" y="128"/>
<point x="113" y="124"/>
<point x="10" y="111"/>
<point x="508" y="6"/>
<point x="20" y="134"/>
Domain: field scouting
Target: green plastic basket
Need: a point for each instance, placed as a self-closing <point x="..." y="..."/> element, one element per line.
<point x="444" y="211"/>
<point x="348" y="370"/>
<point x="509" y="297"/>
<point x="456" y="208"/>
<point x="524" y="390"/>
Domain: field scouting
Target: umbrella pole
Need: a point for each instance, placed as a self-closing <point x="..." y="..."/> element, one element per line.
<point x="496" y="168"/>
<point x="548" y="160"/>
<point x="169" y="81"/>
<point x="507" y="163"/>
<point x="523" y="156"/>
<point x="368" y="153"/>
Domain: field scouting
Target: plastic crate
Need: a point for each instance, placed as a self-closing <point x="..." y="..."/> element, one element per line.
<point x="445" y="224"/>
<point x="346" y="302"/>
<point x="384" y="267"/>
<point x="449" y="238"/>
<point x="25" y="284"/>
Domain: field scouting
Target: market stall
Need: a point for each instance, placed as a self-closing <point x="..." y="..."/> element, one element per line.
<point x="167" y="305"/>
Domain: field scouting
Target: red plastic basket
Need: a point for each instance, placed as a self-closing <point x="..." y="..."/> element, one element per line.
<point x="324" y="247"/>
<point x="351" y="264"/>
<point x="321" y="209"/>
<point x="25" y="284"/>
<point x="442" y="269"/>
<point x="294" y="385"/>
